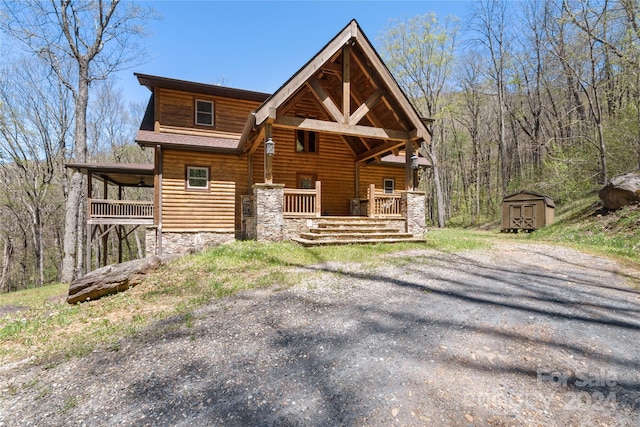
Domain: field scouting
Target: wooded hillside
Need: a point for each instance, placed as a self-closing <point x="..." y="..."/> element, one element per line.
<point x="542" y="96"/>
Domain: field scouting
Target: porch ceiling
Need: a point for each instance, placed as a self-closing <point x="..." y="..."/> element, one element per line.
<point x="124" y="175"/>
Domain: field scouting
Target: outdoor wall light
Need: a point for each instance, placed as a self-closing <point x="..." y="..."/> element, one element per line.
<point x="270" y="147"/>
<point x="414" y="162"/>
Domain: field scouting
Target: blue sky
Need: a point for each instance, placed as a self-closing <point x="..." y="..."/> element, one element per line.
<point x="258" y="45"/>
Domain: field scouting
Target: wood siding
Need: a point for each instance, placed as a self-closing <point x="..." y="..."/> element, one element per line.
<point x="176" y="108"/>
<point x="215" y="210"/>
<point x="376" y="174"/>
<point x="333" y="165"/>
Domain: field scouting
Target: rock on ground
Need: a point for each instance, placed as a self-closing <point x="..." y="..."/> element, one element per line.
<point x="621" y="191"/>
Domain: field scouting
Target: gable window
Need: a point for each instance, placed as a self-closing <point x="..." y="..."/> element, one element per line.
<point x="197" y="178"/>
<point x="204" y="112"/>
<point x="306" y="141"/>
<point x="389" y="186"/>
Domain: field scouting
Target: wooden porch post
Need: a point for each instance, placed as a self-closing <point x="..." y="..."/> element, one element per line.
<point x="87" y="260"/>
<point x="158" y="194"/>
<point x="372" y="200"/>
<point x="408" y="171"/>
<point x="357" y="181"/>
<point x="105" y="236"/>
<point x="119" y="229"/>
<point x="318" y="198"/>
<point x="268" y="165"/>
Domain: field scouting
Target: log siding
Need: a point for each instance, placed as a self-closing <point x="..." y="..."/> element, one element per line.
<point x="215" y="210"/>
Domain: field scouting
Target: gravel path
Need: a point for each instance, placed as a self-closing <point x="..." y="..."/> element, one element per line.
<point x="518" y="335"/>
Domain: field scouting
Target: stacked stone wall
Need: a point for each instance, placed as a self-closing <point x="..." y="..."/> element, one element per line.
<point x="413" y="209"/>
<point x="269" y="208"/>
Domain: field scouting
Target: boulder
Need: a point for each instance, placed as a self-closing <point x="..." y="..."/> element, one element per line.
<point x="112" y="279"/>
<point x="623" y="190"/>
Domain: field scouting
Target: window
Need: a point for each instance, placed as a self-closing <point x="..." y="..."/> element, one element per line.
<point x="197" y="178"/>
<point x="306" y="141"/>
<point x="204" y="112"/>
<point x="389" y="185"/>
<point x="306" y="181"/>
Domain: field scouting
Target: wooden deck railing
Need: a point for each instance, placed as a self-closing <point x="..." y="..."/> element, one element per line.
<point x="125" y="209"/>
<point x="383" y="204"/>
<point x="299" y="202"/>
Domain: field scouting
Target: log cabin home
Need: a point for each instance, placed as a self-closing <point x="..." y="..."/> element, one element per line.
<point x="331" y="156"/>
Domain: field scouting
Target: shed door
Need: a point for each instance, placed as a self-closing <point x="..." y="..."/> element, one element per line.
<point x="522" y="216"/>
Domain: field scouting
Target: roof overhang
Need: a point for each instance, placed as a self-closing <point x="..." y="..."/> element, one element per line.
<point x="151" y="82"/>
<point x="123" y="174"/>
<point x="147" y="138"/>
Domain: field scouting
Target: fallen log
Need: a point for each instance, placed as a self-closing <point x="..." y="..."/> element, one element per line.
<point x="112" y="279"/>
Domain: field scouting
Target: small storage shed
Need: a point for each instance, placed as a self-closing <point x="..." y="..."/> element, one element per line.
<point x="526" y="211"/>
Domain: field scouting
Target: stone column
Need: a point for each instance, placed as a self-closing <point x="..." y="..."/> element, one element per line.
<point x="413" y="210"/>
<point x="269" y="205"/>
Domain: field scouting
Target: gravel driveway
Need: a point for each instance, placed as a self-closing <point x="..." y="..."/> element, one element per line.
<point x="522" y="334"/>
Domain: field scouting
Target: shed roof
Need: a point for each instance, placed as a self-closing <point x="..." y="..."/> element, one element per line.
<point x="532" y="196"/>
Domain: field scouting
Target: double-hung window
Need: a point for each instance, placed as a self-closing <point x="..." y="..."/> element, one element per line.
<point x="389" y="186"/>
<point x="197" y="178"/>
<point x="204" y="112"/>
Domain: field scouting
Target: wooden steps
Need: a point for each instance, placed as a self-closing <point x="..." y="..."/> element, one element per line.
<point x="353" y="230"/>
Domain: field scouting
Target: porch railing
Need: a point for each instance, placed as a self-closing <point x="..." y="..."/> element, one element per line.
<point x="383" y="204"/>
<point x="126" y="209"/>
<point x="303" y="202"/>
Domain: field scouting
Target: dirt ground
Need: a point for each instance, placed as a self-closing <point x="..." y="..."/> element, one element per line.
<point x="522" y="334"/>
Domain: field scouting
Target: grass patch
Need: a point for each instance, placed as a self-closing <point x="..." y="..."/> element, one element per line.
<point x="586" y="226"/>
<point x="456" y="239"/>
<point x="35" y="297"/>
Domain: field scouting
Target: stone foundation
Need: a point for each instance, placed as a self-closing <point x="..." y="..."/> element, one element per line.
<point x="150" y="240"/>
<point x="180" y="243"/>
<point x="294" y="226"/>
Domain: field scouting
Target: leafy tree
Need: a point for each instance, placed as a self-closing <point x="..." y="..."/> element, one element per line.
<point x="420" y="53"/>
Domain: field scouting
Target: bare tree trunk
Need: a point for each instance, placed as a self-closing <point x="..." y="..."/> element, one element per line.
<point x="71" y="228"/>
<point x="7" y="252"/>
<point x="427" y="152"/>
<point x="72" y="262"/>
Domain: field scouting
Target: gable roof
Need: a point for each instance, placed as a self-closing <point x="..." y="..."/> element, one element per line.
<point x="531" y="196"/>
<point x="351" y="35"/>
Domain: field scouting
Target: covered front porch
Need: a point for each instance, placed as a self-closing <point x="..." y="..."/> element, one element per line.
<point x="275" y="213"/>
